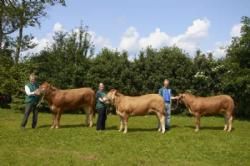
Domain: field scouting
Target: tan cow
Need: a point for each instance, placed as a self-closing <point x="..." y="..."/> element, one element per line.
<point x="140" y="105"/>
<point x="60" y="100"/>
<point x="199" y="106"/>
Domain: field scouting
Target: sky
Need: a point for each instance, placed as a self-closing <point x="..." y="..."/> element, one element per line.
<point x="133" y="25"/>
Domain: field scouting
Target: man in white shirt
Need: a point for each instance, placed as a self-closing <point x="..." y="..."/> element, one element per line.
<point x="31" y="100"/>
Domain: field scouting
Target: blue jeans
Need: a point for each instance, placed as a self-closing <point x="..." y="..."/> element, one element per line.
<point x="168" y="115"/>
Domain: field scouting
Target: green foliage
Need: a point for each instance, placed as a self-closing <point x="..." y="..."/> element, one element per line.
<point x="237" y="78"/>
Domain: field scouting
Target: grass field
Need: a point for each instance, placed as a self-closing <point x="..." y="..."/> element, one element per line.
<point x="76" y="144"/>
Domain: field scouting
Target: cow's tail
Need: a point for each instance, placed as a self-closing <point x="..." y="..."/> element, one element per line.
<point x="93" y="105"/>
<point x="163" y="109"/>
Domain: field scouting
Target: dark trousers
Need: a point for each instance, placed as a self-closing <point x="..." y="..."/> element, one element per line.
<point x="28" y="109"/>
<point x="102" y="116"/>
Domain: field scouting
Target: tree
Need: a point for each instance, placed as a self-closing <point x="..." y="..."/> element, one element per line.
<point x="237" y="79"/>
<point x="18" y="15"/>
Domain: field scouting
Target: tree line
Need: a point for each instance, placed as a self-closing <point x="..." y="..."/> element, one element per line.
<point x="71" y="62"/>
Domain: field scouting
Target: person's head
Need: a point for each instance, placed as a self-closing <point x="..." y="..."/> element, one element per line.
<point x="32" y="78"/>
<point x="166" y="83"/>
<point x="101" y="86"/>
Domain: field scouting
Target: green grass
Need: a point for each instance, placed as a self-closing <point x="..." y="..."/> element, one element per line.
<point x="76" y="144"/>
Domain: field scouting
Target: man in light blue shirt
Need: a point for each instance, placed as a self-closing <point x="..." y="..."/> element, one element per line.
<point x="166" y="93"/>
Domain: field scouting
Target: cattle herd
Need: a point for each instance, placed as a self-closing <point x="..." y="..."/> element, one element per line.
<point x="126" y="106"/>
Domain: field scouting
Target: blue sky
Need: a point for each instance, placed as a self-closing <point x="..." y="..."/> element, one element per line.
<point x="134" y="24"/>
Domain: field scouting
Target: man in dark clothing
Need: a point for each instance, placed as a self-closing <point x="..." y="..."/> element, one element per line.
<point x="31" y="100"/>
<point x="100" y="108"/>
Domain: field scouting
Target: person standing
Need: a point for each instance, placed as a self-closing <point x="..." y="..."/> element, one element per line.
<point x="166" y="93"/>
<point x="100" y="108"/>
<point x="31" y="100"/>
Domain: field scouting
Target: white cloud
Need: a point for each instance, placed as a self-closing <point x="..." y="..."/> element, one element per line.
<point x="198" y="29"/>
<point x="58" y="27"/>
<point x="155" y="39"/>
<point x="129" y="40"/>
<point x="132" y="42"/>
<point x="235" y="31"/>
<point x="189" y="40"/>
<point x="100" y="41"/>
<point x="220" y="47"/>
<point x="194" y="34"/>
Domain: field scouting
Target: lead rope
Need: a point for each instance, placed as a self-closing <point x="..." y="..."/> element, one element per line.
<point x="41" y="100"/>
<point x="176" y="105"/>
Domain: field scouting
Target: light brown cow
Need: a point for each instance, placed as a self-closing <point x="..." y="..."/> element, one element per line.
<point x="140" y="105"/>
<point x="199" y="106"/>
<point x="60" y="100"/>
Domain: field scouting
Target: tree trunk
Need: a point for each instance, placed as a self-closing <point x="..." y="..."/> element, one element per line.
<point x="20" y="33"/>
<point x="19" y="43"/>
<point x="1" y="34"/>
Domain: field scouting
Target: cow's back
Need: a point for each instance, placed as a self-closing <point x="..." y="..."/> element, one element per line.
<point x="74" y="98"/>
<point x="213" y="104"/>
<point x="140" y="104"/>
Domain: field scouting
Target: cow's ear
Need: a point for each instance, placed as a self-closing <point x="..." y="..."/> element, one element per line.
<point x="115" y="92"/>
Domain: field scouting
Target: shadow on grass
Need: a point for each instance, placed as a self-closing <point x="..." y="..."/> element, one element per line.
<point x="209" y="127"/>
<point x="112" y="128"/>
<point x="64" y="126"/>
<point x="147" y="129"/>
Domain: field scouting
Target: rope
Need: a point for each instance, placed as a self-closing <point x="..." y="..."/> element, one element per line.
<point x="176" y="106"/>
<point x="41" y="100"/>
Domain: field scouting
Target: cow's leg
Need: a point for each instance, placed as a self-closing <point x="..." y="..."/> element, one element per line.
<point x="87" y="117"/>
<point x="53" y="120"/>
<point x="159" y="123"/>
<point x="58" y="116"/>
<point x="197" y="122"/>
<point x="90" y="116"/>
<point x="158" y="115"/>
<point x="125" y="118"/>
<point x="226" y="123"/>
<point x="162" y="121"/>
<point x="121" y="124"/>
<point x="230" y="121"/>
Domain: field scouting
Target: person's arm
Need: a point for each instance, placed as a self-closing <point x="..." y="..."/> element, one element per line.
<point x="101" y="99"/>
<point x="160" y="92"/>
<point x="28" y="92"/>
<point x="174" y="97"/>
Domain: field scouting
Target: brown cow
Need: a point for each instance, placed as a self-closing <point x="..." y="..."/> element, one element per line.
<point x="140" y="105"/>
<point x="60" y="100"/>
<point x="199" y="106"/>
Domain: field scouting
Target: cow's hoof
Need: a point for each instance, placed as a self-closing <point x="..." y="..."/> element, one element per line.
<point x="125" y="132"/>
<point x="57" y="127"/>
<point x="196" y="130"/>
<point x="163" y="132"/>
<point x="229" y="131"/>
<point x="159" y="129"/>
<point x="120" y="130"/>
<point x="52" y="127"/>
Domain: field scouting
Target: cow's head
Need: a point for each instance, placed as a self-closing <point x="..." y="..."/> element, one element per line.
<point x="45" y="88"/>
<point x="110" y="97"/>
<point x="181" y="97"/>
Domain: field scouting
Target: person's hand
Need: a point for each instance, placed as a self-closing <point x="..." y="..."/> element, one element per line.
<point x="37" y="92"/>
<point x="175" y="98"/>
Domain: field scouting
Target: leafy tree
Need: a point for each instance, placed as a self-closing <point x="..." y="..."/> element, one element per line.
<point x="18" y="15"/>
<point x="237" y="79"/>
